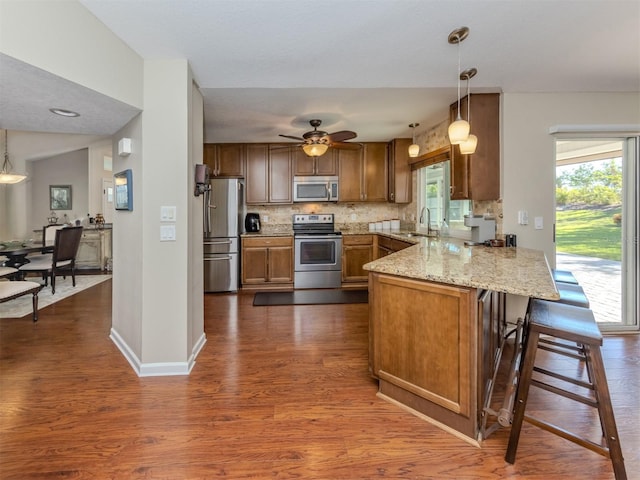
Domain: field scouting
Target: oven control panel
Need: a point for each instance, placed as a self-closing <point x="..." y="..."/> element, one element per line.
<point x="312" y="218"/>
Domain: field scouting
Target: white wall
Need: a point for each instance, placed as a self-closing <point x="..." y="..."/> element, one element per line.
<point x="67" y="169"/>
<point x="64" y="38"/>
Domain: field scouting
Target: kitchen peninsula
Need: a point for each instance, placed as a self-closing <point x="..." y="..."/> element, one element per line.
<point x="436" y="316"/>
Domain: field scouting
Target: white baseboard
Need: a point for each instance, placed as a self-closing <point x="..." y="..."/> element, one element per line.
<point x="157" y="369"/>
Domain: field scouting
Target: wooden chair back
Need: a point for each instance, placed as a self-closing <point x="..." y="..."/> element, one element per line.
<point x="66" y="244"/>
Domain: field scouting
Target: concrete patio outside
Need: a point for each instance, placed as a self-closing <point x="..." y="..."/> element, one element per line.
<point x="602" y="283"/>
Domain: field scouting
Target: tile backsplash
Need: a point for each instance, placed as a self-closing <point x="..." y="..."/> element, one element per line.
<point x="345" y="213"/>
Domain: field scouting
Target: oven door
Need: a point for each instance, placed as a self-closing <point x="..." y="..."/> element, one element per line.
<point x="318" y="252"/>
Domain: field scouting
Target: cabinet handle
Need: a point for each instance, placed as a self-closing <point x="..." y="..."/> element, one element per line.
<point x="452" y="189"/>
<point x="392" y="196"/>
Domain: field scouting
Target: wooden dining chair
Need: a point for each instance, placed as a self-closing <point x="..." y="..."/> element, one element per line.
<point x="63" y="258"/>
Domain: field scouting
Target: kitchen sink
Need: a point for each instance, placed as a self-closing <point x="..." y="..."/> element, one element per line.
<point x="421" y="234"/>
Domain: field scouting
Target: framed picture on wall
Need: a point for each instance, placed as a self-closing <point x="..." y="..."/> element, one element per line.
<point x="60" y="197"/>
<point x="123" y="182"/>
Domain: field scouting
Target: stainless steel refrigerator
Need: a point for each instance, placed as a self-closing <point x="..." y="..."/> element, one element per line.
<point x="223" y="209"/>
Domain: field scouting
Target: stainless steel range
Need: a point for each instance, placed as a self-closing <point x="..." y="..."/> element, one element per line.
<point x="317" y="251"/>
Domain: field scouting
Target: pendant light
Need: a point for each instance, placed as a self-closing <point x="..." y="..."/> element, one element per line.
<point x="469" y="145"/>
<point x="458" y="130"/>
<point x="6" y="177"/>
<point x="414" y="148"/>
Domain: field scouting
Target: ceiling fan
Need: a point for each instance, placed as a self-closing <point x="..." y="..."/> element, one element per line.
<point x="316" y="142"/>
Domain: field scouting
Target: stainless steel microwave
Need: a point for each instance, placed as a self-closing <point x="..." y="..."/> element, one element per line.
<point x="315" y="189"/>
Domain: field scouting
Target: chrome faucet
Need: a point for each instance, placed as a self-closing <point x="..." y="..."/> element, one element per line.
<point x="429" y="230"/>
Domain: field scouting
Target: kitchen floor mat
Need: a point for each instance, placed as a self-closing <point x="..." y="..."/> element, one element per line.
<point x="310" y="297"/>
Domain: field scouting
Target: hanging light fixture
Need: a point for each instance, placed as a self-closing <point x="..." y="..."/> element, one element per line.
<point x="414" y="148"/>
<point x="469" y="145"/>
<point x="458" y="130"/>
<point x="315" y="149"/>
<point x="6" y="176"/>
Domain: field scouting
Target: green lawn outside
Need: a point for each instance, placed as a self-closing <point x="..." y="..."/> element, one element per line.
<point x="591" y="233"/>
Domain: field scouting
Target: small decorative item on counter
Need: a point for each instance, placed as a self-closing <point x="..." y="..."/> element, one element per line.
<point x="372" y="227"/>
<point x="444" y="228"/>
<point x="52" y="219"/>
<point x="379" y="226"/>
<point x="386" y="225"/>
<point x="395" y="224"/>
<point x="99" y="221"/>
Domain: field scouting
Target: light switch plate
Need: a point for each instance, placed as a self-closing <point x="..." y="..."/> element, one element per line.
<point x="523" y="217"/>
<point x="539" y="223"/>
<point x="168" y="233"/>
<point x="167" y="214"/>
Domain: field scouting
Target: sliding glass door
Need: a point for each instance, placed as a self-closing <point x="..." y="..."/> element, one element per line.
<point x="597" y="224"/>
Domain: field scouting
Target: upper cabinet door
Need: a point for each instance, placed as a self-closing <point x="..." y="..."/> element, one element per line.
<point x="375" y="172"/>
<point x="225" y="159"/>
<point x="257" y="174"/>
<point x="399" y="171"/>
<point x="477" y="176"/>
<point x="326" y="165"/>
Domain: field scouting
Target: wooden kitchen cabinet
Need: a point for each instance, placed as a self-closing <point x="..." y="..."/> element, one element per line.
<point x="356" y="251"/>
<point x="95" y="248"/>
<point x="477" y="176"/>
<point x="399" y="171"/>
<point x="267" y="261"/>
<point x="326" y="165"/>
<point x="363" y="173"/>
<point x="426" y="357"/>
<point x="268" y="175"/>
<point x="225" y="159"/>
<point x="387" y="245"/>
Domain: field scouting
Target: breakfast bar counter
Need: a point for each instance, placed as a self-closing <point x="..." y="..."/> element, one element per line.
<point x="436" y="320"/>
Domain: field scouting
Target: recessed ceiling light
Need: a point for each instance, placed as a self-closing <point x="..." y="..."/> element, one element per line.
<point x="63" y="112"/>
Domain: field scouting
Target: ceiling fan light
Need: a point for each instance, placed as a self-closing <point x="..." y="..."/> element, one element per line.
<point x="315" y="149"/>
<point x="459" y="131"/>
<point x="414" y="150"/>
<point x="469" y="145"/>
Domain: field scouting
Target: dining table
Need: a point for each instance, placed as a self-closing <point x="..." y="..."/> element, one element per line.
<point x="17" y="255"/>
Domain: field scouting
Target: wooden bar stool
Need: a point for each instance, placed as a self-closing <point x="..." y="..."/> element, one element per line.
<point x="572" y="295"/>
<point x="564" y="276"/>
<point x="576" y="325"/>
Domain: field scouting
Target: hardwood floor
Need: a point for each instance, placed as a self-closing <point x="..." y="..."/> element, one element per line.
<point x="277" y="392"/>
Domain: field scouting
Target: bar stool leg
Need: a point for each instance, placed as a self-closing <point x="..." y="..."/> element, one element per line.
<point x="605" y="411"/>
<point x="530" y="347"/>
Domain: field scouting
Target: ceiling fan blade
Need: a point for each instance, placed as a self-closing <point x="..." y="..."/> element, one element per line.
<point x="346" y="146"/>
<point x="292" y="138"/>
<point x="341" y="136"/>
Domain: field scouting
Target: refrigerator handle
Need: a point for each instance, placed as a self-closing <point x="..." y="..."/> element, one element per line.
<point x="207" y="213"/>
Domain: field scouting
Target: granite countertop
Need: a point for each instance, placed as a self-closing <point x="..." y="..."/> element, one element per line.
<point x="519" y="271"/>
<point x="267" y="230"/>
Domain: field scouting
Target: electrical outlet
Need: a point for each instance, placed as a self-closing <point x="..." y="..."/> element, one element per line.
<point x="265" y="218"/>
<point x="353" y="216"/>
<point x="538" y="222"/>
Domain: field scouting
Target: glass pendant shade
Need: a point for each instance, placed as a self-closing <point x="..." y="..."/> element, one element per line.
<point x="6" y="177"/>
<point x="315" y="149"/>
<point x="469" y="145"/>
<point x="414" y="150"/>
<point x="459" y="131"/>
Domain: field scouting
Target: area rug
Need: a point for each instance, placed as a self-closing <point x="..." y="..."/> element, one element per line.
<point x="21" y="306"/>
<point x="310" y="297"/>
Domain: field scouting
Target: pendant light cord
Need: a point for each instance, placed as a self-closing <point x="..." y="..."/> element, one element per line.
<point x="458" y="75"/>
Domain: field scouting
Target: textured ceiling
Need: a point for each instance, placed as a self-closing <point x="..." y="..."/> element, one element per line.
<point x="373" y="66"/>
